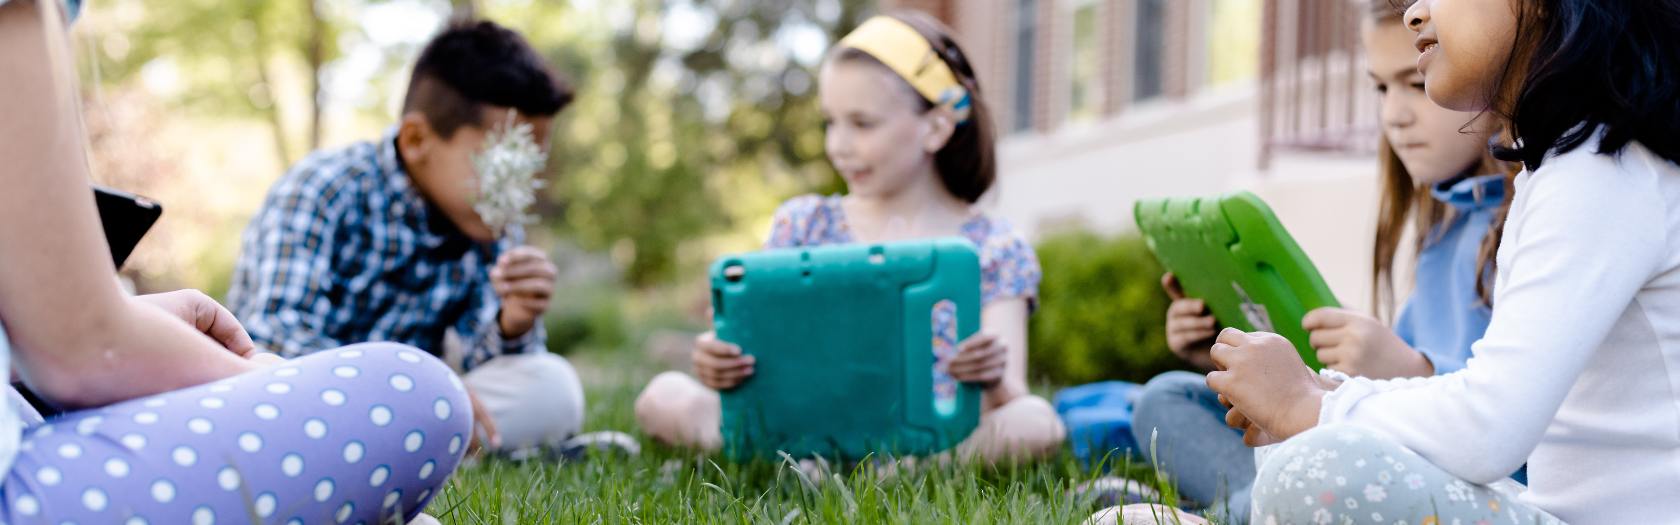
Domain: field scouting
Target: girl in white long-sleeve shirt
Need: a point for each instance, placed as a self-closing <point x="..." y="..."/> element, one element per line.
<point x="1579" y="371"/>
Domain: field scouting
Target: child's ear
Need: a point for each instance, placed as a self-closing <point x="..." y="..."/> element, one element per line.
<point x="941" y="125"/>
<point x="415" y="139"/>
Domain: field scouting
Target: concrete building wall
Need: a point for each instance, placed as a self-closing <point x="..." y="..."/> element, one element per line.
<point x="1196" y="138"/>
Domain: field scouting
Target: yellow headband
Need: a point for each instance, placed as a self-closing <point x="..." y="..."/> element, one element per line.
<point x="905" y="51"/>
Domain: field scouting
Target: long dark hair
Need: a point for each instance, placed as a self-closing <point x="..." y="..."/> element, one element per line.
<point x="1586" y="66"/>
<point x="967" y="164"/>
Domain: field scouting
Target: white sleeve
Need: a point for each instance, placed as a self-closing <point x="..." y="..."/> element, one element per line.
<point x="1382" y="385"/>
<point x="1589" y="236"/>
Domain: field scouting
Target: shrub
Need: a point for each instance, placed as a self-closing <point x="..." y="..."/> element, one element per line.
<point x="587" y="316"/>
<point x="1102" y="313"/>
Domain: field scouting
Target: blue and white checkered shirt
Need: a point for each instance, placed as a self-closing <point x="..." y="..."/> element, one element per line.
<point x="345" y="250"/>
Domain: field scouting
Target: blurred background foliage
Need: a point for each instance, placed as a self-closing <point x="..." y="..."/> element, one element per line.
<point x="695" y="118"/>
<point x="683" y="105"/>
<point x="1103" y="313"/>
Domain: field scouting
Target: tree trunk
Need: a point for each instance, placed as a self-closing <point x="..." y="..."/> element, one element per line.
<point x="316" y="54"/>
<point x="259" y="53"/>
<point x="463" y="9"/>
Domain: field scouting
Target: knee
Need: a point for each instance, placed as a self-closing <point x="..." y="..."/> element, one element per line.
<point x="1041" y="426"/>
<point x="394" y="370"/>
<point x="1172" y="386"/>
<point x="562" y="381"/>
<point x="1169" y="390"/>
<point x="1316" y="462"/>
<point x="1164" y="396"/>
<point x="666" y="396"/>
<point x="1333" y="441"/>
<point x="404" y="374"/>
<point x="1026" y="428"/>
<point x="534" y="398"/>
<point x="677" y="410"/>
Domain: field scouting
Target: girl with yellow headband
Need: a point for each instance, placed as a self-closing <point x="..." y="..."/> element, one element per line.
<point x="908" y="131"/>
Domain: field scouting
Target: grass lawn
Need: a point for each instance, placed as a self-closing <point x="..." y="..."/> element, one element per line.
<point x="665" y="485"/>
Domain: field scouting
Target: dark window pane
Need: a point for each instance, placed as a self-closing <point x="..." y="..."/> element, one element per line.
<point x="1146" y="76"/>
<point x="1026" y="35"/>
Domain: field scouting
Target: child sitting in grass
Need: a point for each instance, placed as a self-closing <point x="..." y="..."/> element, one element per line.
<point x="1577" y="372"/>
<point x="391" y="240"/>
<point x="1438" y="175"/>
<point x="915" y="146"/>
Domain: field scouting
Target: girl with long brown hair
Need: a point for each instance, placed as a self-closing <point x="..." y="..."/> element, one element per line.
<point x="1576" y="374"/>
<point x="1438" y="180"/>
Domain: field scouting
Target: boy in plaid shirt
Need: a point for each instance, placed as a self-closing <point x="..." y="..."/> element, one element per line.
<point x="379" y="241"/>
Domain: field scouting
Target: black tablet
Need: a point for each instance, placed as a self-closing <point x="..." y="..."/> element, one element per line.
<point x="126" y="218"/>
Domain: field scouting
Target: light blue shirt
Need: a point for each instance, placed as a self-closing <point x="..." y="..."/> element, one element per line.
<point x="72" y="8"/>
<point x="1444" y="314"/>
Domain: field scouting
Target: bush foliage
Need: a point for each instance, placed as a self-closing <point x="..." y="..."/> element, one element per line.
<point x="1102" y="312"/>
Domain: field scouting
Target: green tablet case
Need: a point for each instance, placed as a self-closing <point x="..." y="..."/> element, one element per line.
<point x="1232" y="252"/>
<point x="844" y="341"/>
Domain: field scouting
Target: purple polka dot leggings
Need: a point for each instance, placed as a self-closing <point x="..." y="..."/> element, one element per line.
<point x="362" y="434"/>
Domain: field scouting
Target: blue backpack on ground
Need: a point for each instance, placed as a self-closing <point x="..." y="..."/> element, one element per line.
<point x="1098" y="417"/>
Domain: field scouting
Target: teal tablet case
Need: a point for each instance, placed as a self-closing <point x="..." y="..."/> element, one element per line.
<point x="844" y="341"/>
<point x="1232" y="252"/>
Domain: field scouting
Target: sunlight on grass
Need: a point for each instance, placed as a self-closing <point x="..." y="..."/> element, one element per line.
<point x="665" y="485"/>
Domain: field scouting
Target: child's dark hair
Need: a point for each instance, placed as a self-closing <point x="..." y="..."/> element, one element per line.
<point x="967" y="164"/>
<point x="1585" y="66"/>
<point x="473" y="64"/>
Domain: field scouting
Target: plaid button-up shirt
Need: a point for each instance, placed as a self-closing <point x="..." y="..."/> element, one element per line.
<point x="345" y="250"/>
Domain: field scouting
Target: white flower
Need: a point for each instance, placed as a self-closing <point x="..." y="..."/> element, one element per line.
<point x="1458" y="490"/>
<point x="507" y="175"/>
<point x="1321" y="516"/>
<point x="1375" y="494"/>
<point x="1352" y="503"/>
<point x="1414" y="481"/>
<point x="1295" y="464"/>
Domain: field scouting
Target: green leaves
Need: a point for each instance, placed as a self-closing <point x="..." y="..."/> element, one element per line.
<point x="1102" y="313"/>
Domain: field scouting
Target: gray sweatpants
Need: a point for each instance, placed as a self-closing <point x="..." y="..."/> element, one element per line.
<point x="535" y="399"/>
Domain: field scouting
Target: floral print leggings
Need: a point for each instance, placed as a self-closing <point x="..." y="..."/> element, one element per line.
<point x="1340" y="474"/>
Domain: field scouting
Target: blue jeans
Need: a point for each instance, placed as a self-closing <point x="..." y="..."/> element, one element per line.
<point x="1202" y="457"/>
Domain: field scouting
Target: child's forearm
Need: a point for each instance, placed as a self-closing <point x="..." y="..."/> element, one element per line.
<point x="139" y="351"/>
<point x="75" y="338"/>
